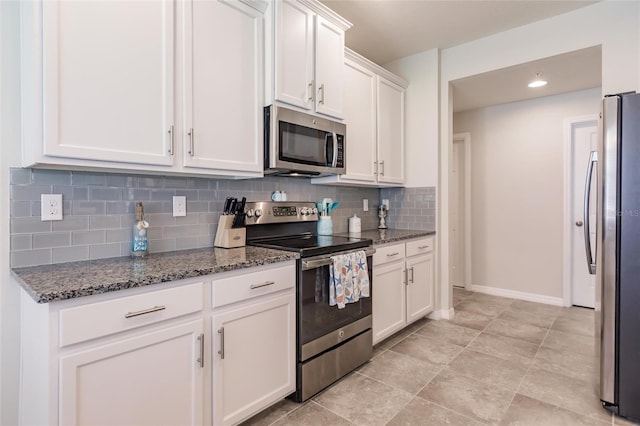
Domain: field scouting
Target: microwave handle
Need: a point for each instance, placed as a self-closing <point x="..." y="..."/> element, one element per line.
<point x="328" y="149"/>
<point x="334" y="161"/>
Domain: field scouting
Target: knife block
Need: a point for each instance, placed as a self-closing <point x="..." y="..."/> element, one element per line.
<point x="228" y="237"/>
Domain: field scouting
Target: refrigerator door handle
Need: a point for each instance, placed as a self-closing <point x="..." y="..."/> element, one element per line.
<point x="593" y="160"/>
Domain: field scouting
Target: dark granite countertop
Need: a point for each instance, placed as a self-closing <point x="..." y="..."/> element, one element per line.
<point x="49" y="283"/>
<point x="384" y="236"/>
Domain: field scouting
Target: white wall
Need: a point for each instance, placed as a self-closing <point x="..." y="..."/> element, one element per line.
<point x="421" y="121"/>
<point x="611" y="24"/>
<point x="9" y="156"/>
<point x="517" y="172"/>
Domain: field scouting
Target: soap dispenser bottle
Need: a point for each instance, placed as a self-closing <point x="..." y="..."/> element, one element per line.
<point x="139" y="242"/>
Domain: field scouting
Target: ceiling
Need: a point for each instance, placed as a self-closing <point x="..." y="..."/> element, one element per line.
<point x="385" y="30"/>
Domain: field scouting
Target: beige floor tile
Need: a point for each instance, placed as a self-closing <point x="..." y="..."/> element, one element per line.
<point x="420" y="412"/>
<point x="525" y="411"/>
<point x="459" y="291"/>
<point x="273" y="413"/>
<point x="539" y="320"/>
<point x="517" y="330"/>
<point x="363" y="401"/>
<point x="467" y="396"/>
<point x="577" y="343"/>
<point x="489" y="369"/>
<point x="578" y="366"/>
<point x="505" y="347"/>
<point x="427" y="349"/>
<point x="488" y="298"/>
<point x="536" y="308"/>
<point x="483" y="307"/>
<point x="578" y="313"/>
<point x="570" y="393"/>
<point x="584" y="326"/>
<point x="394" y="339"/>
<point x="312" y="414"/>
<point x="400" y="371"/>
<point x="448" y="332"/>
<point x="470" y="319"/>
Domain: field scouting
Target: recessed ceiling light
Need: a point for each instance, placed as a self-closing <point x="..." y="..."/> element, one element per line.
<point x="538" y="82"/>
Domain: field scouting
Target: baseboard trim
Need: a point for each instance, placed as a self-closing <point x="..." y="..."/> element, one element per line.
<point x="521" y="295"/>
<point x="441" y="314"/>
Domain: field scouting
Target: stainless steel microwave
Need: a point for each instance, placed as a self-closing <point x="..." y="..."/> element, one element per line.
<point x="299" y="144"/>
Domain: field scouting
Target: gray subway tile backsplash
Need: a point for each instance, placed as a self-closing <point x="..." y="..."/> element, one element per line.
<point x="99" y="211"/>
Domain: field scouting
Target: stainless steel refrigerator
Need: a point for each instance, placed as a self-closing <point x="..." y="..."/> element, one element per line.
<point x="616" y="170"/>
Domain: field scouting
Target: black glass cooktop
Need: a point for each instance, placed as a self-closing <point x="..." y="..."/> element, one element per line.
<point x="313" y="245"/>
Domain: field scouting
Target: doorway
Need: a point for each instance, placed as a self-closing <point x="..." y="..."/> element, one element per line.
<point x="581" y="137"/>
<point x="460" y="199"/>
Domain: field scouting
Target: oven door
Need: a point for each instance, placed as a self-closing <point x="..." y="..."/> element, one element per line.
<point x="321" y="326"/>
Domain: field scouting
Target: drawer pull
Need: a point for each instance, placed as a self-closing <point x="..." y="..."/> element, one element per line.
<point x="254" y="286"/>
<point x="201" y="358"/>
<point x="145" y="311"/>
<point x="423" y="247"/>
<point x="392" y="254"/>
<point x="221" y="350"/>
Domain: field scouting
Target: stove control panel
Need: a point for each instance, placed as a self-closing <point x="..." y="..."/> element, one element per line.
<point x="264" y="212"/>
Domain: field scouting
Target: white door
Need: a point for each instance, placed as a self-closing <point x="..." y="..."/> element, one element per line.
<point x="359" y="100"/>
<point x="390" y="132"/>
<point x="224" y="91"/>
<point x="389" y="300"/>
<point x="108" y="80"/>
<point x="151" y="379"/>
<point x="253" y="358"/>
<point x="419" y="287"/>
<point x="329" y="63"/>
<point x="457" y="211"/>
<point x="584" y="138"/>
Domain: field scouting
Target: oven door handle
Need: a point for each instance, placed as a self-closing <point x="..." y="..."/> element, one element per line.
<point x="326" y="260"/>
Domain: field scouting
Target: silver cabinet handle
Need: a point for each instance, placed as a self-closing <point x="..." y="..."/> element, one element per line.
<point x="310" y="91"/>
<point x="392" y="254"/>
<point x="321" y="88"/>
<point x="221" y="351"/>
<point x="593" y="160"/>
<point x="191" y="150"/>
<point x="412" y="281"/>
<point x="171" y="132"/>
<point x="406" y="277"/>
<point x="201" y="359"/>
<point x="254" y="286"/>
<point x="375" y="167"/>
<point x="145" y="311"/>
<point x="382" y="172"/>
<point x="423" y="247"/>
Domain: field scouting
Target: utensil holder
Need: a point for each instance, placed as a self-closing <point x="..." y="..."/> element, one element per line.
<point x="228" y="237"/>
<point x="325" y="225"/>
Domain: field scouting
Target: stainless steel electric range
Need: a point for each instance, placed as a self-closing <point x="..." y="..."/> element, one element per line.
<point x="331" y="342"/>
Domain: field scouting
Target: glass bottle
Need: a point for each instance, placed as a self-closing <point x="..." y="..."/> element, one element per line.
<point x="139" y="242"/>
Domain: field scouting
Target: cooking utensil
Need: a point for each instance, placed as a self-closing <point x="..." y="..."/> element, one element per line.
<point x="333" y="206"/>
<point x="227" y="205"/>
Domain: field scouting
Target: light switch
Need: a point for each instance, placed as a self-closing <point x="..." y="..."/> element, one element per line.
<point x="179" y="205"/>
<point x="51" y="207"/>
<point x="365" y="205"/>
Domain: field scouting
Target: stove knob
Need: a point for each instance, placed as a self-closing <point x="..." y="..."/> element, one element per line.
<point x="304" y="211"/>
<point x="250" y="213"/>
<point x="315" y="211"/>
<point x="258" y="212"/>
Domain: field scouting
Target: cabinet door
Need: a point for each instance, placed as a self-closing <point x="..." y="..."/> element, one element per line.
<point x="420" y="287"/>
<point x="108" y="80"/>
<point x="254" y="357"/>
<point x="329" y="67"/>
<point x="388" y="300"/>
<point x="223" y="86"/>
<point x="359" y="98"/>
<point x="150" y="379"/>
<point x="390" y="132"/>
<point x="294" y="54"/>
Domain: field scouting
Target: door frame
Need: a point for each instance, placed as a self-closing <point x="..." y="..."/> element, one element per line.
<point x="567" y="254"/>
<point x="465" y="139"/>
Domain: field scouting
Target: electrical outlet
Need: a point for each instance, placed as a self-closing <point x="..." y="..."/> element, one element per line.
<point x="179" y="205"/>
<point x="365" y="205"/>
<point x="51" y="207"/>
<point x="385" y="202"/>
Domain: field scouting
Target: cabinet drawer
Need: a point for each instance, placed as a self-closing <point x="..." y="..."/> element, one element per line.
<point x="388" y="254"/>
<point x="252" y="284"/>
<point x="103" y="318"/>
<point x="424" y="245"/>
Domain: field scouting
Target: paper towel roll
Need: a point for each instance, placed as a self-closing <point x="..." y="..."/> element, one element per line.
<point x="355" y="224"/>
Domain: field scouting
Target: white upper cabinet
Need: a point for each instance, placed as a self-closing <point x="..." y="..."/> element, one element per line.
<point x="146" y="86"/>
<point x="373" y="100"/>
<point x="223" y="96"/>
<point x="307" y="53"/>
<point x="107" y="80"/>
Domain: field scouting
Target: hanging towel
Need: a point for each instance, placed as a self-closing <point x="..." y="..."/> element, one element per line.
<point x="348" y="278"/>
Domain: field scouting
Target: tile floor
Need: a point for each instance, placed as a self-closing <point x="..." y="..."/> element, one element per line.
<point x="499" y="361"/>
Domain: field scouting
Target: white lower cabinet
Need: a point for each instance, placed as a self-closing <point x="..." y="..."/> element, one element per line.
<point x="253" y="347"/>
<point x="154" y="378"/>
<point x="402" y="286"/>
